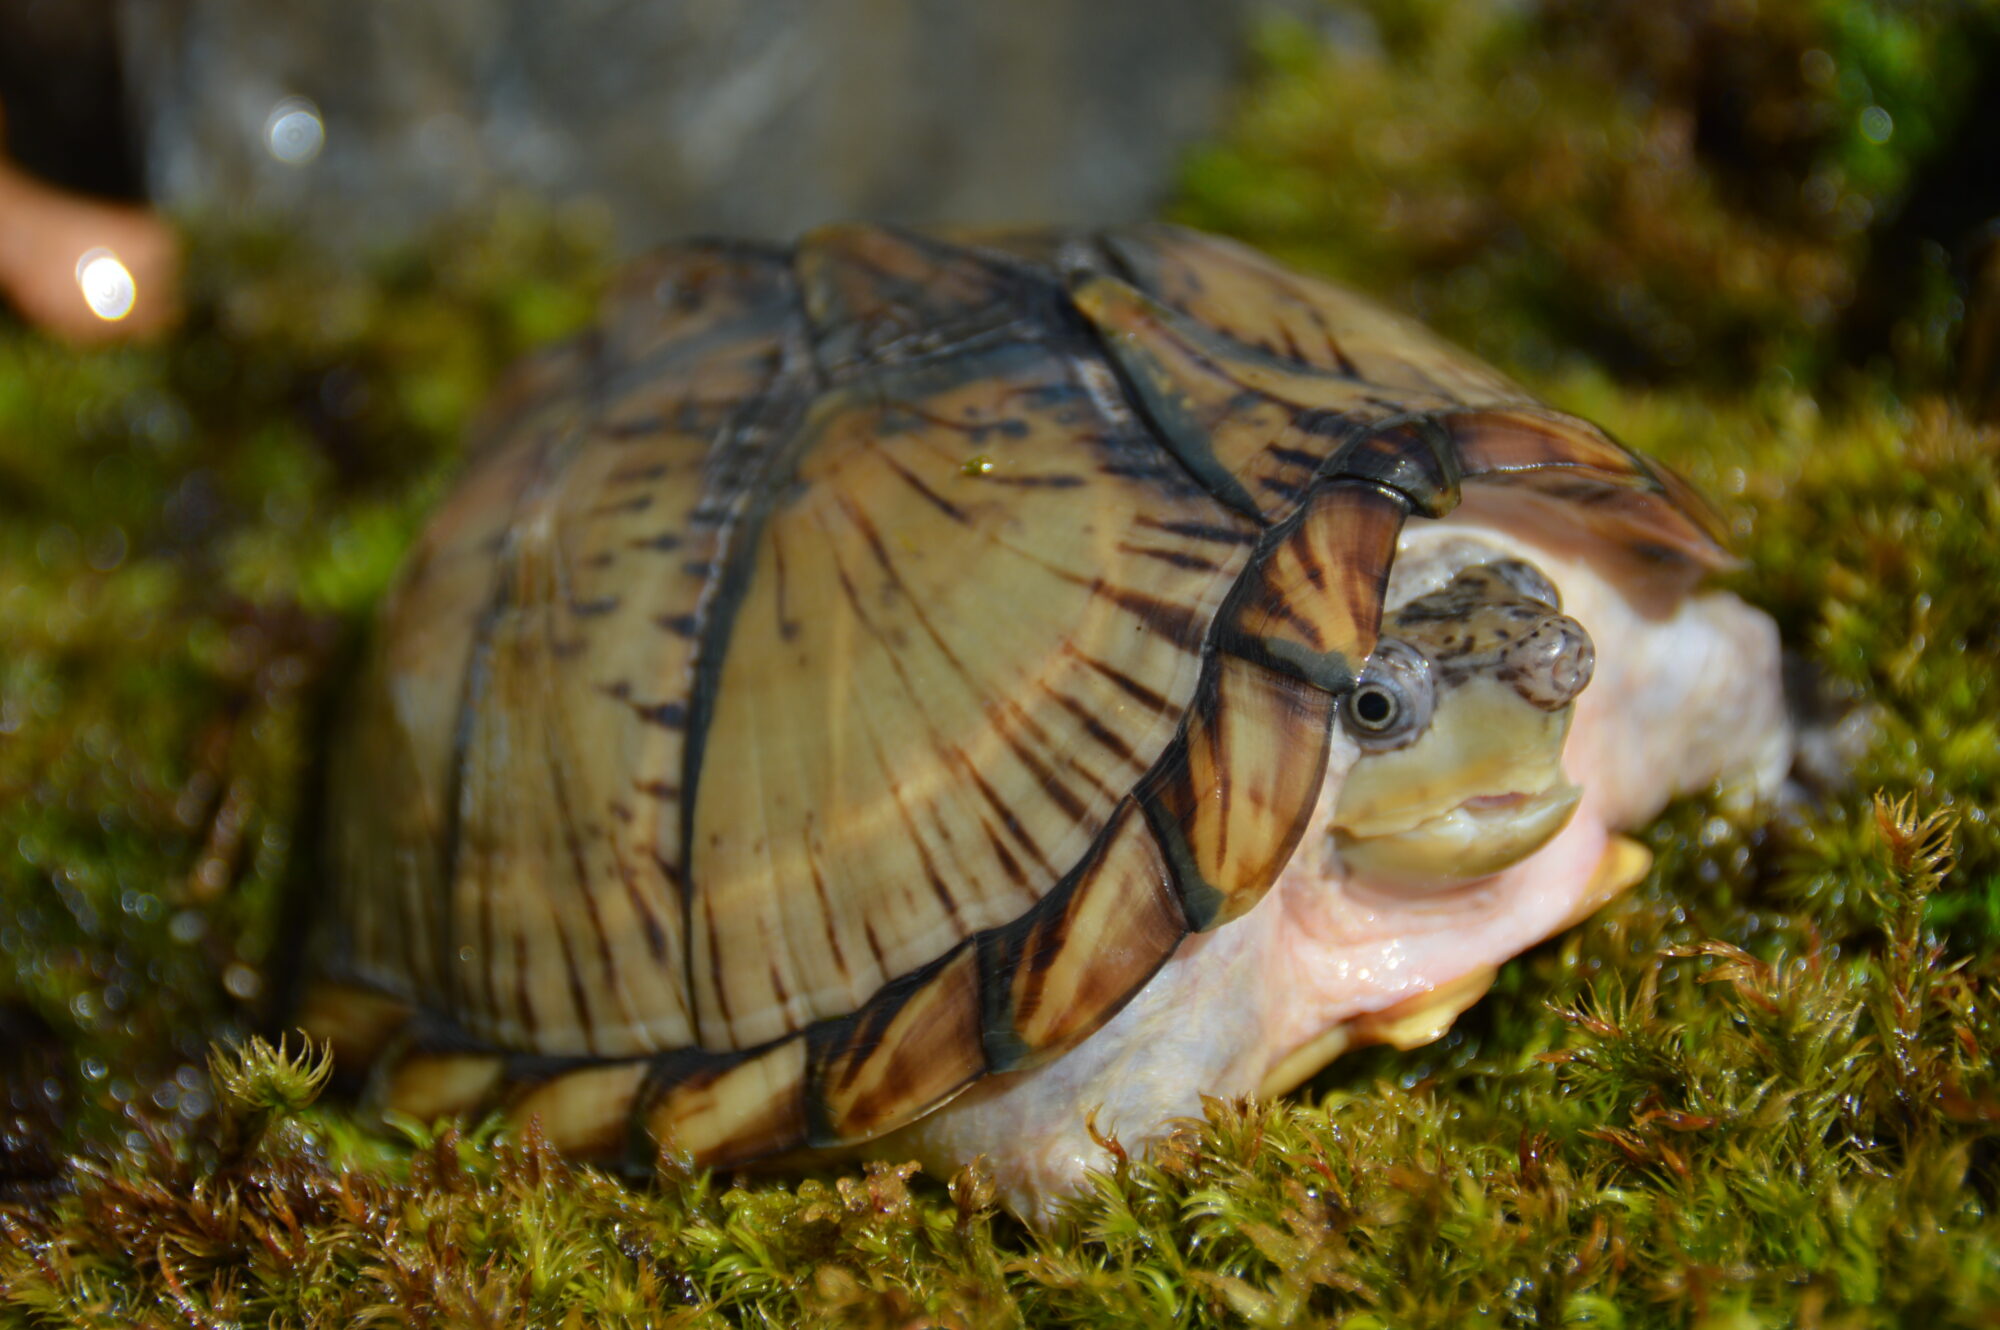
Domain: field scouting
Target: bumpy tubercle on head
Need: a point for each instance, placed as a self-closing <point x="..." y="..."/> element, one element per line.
<point x="1460" y="718"/>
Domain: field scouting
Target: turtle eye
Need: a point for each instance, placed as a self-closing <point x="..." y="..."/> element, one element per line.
<point x="1391" y="702"/>
<point x="1376" y="708"/>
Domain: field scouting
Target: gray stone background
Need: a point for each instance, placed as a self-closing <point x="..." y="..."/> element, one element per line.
<point x="755" y="117"/>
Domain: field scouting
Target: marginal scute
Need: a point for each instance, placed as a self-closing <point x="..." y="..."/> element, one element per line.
<point x="356" y="1023"/>
<point x="1231" y="800"/>
<point x="724" y="1111"/>
<point x="1311" y="602"/>
<point x="1064" y="969"/>
<point x="914" y="1045"/>
<point x="431" y="1085"/>
<point x="585" y="1111"/>
<point x="1603" y="487"/>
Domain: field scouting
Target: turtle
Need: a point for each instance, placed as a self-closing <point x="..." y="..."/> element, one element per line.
<point x="956" y="692"/>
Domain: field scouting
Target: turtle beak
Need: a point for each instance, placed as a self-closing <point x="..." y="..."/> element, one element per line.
<point x="1475" y="839"/>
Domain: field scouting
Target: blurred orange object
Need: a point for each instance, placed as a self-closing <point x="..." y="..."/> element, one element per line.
<point x="84" y="269"/>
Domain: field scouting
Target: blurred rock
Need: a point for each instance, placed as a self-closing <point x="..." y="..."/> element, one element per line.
<point x="756" y="117"/>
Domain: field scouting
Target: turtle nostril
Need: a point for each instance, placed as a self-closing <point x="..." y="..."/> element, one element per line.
<point x="1553" y="663"/>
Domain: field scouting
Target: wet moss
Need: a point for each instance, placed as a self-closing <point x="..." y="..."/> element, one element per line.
<point x="1758" y="1090"/>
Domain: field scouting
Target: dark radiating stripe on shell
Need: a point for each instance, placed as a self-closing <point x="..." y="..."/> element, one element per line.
<point x="1173" y="557"/>
<point x="1035" y="482"/>
<point x="1005" y="856"/>
<point x="524" y="1003"/>
<point x="940" y="889"/>
<point x="1095" y="728"/>
<point x="1176" y="623"/>
<point x="825" y="899"/>
<point x="931" y="496"/>
<point x="1011" y="715"/>
<point x="1213" y="532"/>
<point x="656" y="936"/>
<point x="1131" y="687"/>
<point x="1001" y="810"/>
<point x="580" y="865"/>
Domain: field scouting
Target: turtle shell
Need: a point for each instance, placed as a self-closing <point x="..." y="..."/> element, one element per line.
<point x="852" y="669"/>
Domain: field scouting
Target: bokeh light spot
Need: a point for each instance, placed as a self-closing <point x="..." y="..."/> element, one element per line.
<point x="106" y="284"/>
<point x="294" y="132"/>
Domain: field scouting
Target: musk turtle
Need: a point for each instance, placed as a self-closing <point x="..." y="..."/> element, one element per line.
<point x="912" y="692"/>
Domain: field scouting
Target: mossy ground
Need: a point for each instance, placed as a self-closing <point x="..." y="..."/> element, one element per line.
<point x="1759" y="1090"/>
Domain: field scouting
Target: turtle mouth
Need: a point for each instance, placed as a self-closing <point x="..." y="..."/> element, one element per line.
<point x="1472" y="839"/>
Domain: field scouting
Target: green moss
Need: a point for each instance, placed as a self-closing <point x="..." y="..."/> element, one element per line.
<point x="187" y="533"/>
<point x="1758" y="1090"/>
<point x="1642" y="1131"/>
<point x="1686" y="191"/>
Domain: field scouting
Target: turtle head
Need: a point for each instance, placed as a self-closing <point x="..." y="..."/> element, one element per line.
<point x="1460" y="715"/>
